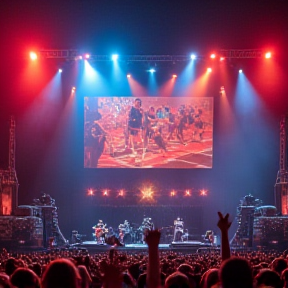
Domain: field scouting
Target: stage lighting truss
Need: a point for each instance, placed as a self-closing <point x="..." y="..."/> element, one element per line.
<point x="242" y="54"/>
<point x="59" y="54"/>
<point x="72" y="54"/>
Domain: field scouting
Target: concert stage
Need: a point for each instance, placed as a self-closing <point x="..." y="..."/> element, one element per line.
<point x="190" y="246"/>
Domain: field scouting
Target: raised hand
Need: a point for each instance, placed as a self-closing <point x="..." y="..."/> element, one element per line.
<point x="223" y="222"/>
<point x="112" y="276"/>
<point x="152" y="238"/>
<point x="224" y="225"/>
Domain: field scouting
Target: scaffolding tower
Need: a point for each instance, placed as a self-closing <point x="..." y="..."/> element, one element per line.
<point x="281" y="185"/>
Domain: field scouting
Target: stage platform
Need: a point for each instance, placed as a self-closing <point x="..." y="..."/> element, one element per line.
<point x="189" y="246"/>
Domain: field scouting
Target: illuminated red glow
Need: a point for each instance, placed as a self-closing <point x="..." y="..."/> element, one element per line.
<point x="213" y="56"/>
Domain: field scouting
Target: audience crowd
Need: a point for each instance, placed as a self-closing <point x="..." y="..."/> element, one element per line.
<point x="210" y="268"/>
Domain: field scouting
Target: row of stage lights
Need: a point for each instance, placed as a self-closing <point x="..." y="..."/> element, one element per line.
<point x="115" y="57"/>
<point x="34" y="56"/>
<point x="147" y="193"/>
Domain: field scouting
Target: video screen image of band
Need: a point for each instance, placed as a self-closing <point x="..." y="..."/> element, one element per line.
<point x="148" y="132"/>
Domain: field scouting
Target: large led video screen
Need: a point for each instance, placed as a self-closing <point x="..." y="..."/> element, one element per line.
<point x="148" y="132"/>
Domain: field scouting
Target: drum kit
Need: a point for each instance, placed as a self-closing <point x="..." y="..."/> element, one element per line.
<point x="131" y="234"/>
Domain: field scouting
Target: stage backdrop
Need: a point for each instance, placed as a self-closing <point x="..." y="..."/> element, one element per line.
<point x="148" y="132"/>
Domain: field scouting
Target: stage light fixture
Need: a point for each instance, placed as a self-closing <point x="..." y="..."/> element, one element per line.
<point x="60" y="70"/>
<point x="203" y="192"/>
<point x="174" y="76"/>
<point x="240" y="71"/>
<point x="87" y="56"/>
<point x="213" y="56"/>
<point x="187" y="193"/>
<point x="268" y="55"/>
<point x="90" y="192"/>
<point x="152" y="70"/>
<point x="121" y="193"/>
<point x="209" y="70"/>
<point x="172" y="193"/>
<point x="115" y="57"/>
<point x="147" y="193"/>
<point x="128" y="75"/>
<point x="193" y="56"/>
<point x="222" y="59"/>
<point x="33" y="56"/>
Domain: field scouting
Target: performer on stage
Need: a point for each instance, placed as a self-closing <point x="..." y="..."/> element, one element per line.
<point x="111" y="239"/>
<point x="209" y="237"/>
<point x="100" y="231"/>
<point x="178" y="229"/>
<point x="124" y="229"/>
<point x="147" y="225"/>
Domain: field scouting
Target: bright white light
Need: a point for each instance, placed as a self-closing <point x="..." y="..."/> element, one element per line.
<point x="193" y="56"/>
<point x="115" y="57"/>
<point x="268" y="55"/>
<point x="60" y="70"/>
<point x="87" y="56"/>
<point x="152" y="70"/>
<point x="33" y="56"/>
<point x="128" y="75"/>
<point x="240" y="71"/>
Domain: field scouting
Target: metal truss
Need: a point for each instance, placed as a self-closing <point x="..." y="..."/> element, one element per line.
<point x="58" y="54"/>
<point x="242" y="54"/>
<point x="72" y="54"/>
<point x="282" y="176"/>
